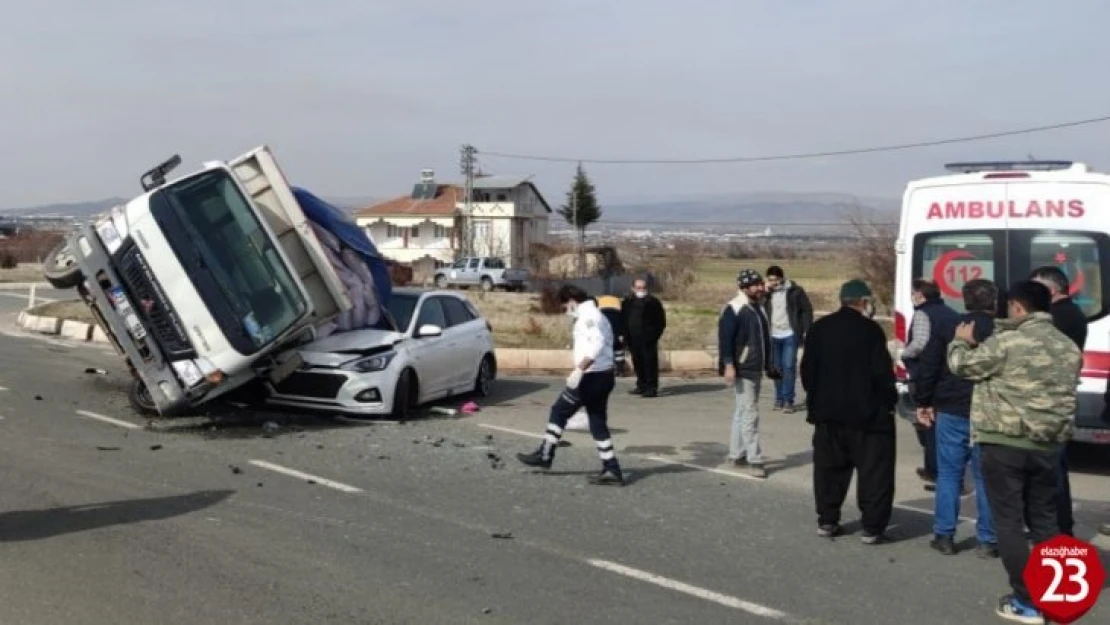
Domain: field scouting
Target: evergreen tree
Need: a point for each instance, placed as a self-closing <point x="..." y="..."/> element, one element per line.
<point x="581" y="208"/>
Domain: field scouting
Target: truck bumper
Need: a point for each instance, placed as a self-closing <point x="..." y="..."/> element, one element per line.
<point x="146" y="360"/>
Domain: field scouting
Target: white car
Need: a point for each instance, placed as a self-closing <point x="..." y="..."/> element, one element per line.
<point x="442" y="347"/>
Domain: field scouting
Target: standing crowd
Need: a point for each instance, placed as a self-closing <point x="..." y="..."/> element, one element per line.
<point x="994" y="390"/>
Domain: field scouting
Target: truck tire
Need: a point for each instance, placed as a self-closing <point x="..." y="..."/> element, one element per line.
<point x="441" y="281"/>
<point x="60" y="268"/>
<point x="140" y="398"/>
<point x="487" y="284"/>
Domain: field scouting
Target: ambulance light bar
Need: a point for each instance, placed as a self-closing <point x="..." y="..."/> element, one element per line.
<point x="974" y="167"/>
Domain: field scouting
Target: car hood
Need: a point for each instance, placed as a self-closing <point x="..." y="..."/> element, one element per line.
<point x="342" y="347"/>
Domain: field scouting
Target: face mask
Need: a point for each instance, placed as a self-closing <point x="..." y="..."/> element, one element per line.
<point x="640" y="294"/>
<point x="572" y="311"/>
<point x="869" y="310"/>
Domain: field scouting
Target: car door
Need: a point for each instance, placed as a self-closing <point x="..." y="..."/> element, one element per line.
<point x="468" y="346"/>
<point x="430" y="354"/>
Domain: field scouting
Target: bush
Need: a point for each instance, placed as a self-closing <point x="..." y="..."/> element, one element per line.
<point x="8" y="261"/>
<point x="549" y="299"/>
<point x="876" y="259"/>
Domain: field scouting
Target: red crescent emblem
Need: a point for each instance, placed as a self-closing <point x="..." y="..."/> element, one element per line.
<point x="939" y="271"/>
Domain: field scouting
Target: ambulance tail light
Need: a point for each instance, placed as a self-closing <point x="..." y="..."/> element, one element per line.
<point x="897" y="345"/>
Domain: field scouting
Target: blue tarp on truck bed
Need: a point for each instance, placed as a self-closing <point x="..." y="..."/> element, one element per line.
<point x="337" y="222"/>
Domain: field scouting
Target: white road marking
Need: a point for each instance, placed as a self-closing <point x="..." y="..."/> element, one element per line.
<point x="305" y="476"/>
<point x="928" y="512"/>
<point x="510" y="430"/>
<point x="695" y="591"/>
<point x="25" y="296"/>
<point x="706" y="469"/>
<point x="100" y="417"/>
<point x="3" y="388"/>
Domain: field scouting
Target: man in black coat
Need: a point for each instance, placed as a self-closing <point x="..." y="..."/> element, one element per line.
<point x="645" y="320"/>
<point x="1069" y="319"/>
<point x="944" y="406"/>
<point x="848" y="376"/>
<point x="791" y="315"/>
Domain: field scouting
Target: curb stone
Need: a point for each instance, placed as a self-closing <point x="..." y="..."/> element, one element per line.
<point x="507" y="358"/>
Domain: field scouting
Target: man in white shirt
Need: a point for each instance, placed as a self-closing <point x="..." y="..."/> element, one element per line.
<point x="588" y="386"/>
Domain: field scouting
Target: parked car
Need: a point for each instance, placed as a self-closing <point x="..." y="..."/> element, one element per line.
<point x="486" y="272"/>
<point x="441" y="347"/>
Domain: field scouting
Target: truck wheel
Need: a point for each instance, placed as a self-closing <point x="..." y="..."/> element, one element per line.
<point x="441" y="281"/>
<point x="140" y="398"/>
<point x="60" y="268"/>
<point x="487" y="284"/>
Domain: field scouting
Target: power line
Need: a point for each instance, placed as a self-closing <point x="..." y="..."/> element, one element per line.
<point x="804" y="155"/>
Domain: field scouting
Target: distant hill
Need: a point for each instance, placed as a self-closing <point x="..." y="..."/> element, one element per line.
<point x="751" y="211"/>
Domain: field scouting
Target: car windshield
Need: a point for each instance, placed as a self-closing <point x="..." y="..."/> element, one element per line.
<point x="227" y="241"/>
<point x="400" y="308"/>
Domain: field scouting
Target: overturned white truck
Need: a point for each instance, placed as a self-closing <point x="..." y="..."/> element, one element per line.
<point x="204" y="282"/>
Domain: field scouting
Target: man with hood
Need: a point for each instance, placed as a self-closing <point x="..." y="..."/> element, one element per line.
<point x="790" y="314"/>
<point x="744" y="345"/>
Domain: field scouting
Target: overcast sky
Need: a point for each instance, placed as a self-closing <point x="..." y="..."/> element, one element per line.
<point x="356" y="96"/>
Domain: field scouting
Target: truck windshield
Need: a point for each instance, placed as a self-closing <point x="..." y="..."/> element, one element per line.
<point x="224" y="239"/>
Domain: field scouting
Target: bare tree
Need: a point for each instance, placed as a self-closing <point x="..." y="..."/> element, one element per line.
<point x="874" y="253"/>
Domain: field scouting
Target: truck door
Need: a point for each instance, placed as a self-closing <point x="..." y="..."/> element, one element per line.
<point x="264" y="181"/>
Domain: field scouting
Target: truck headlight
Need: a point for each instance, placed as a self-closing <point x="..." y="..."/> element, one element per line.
<point x="377" y="362"/>
<point x="189" y="372"/>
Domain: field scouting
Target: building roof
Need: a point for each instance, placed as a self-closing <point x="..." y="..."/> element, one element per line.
<point x="499" y="182"/>
<point x="444" y="203"/>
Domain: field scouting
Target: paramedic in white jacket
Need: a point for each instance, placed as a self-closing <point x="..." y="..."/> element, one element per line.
<point x="589" y="386"/>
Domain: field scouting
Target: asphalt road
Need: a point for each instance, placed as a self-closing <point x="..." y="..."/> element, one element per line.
<point x="218" y="519"/>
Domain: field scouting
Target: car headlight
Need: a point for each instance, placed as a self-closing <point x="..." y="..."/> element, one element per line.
<point x="109" y="235"/>
<point x="377" y="362"/>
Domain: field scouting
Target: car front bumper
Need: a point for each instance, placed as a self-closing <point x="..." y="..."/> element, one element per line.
<point x="331" y="389"/>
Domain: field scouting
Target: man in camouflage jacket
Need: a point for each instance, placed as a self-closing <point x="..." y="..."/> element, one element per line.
<point x="1025" y="377"/>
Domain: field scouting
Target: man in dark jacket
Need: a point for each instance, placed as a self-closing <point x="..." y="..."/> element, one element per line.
<point x="644" y="320"/>
<point x="744" y="345"/>
<point x="944" y="405"/>
<point x="791" y="315"/>
<point x="848" y="376"/>
<point x="1069" y="319"/>
<point x="930" y="312"/>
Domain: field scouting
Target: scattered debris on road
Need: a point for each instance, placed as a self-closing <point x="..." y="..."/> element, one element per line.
<point x="443" y="410"/>
<point x="502" y="535"/>
<point x="236" y="470"/>
<point x="269" y="429"/>
<point x="155" y="447"/>
<point x="95" y="371"/>
<point x="494" y="459"/>
<point x="103" y="448"/>
<point x="38" y="397"/>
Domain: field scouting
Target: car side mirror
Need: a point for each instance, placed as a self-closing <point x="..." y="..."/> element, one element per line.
<point x="428" y="331"/>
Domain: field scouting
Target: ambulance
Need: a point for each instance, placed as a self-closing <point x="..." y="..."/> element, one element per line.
<point x="999" y="221"/>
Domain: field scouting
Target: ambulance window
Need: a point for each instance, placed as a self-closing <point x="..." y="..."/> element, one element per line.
<point x="953" y="259"/>
<point x="1077" y="255"/>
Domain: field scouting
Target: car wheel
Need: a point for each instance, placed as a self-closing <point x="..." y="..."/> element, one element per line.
<point x="60" y="268"/>
<point x="441" y="281"/>
<point x="404" y="396"/>
<point x="487" y="284"/>
<point x="140" y="398"/>
<point x="483" y="384"/>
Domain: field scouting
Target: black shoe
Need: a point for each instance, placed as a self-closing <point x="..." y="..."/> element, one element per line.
<point x="651" y="393"/>
<point x="829" y="530"/>
<point x="944" y="545"/>
<point x="789" y="408"/>
<point x="986" y="551"/>
<point x="536" y="459"/>
<point x="607" y="477"/>
<point x="636" y="391"/>
<point x="926" y="476"/>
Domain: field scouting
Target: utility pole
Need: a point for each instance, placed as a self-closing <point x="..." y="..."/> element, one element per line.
<point x="466" y="166"/>
<point x="574" y="219"/>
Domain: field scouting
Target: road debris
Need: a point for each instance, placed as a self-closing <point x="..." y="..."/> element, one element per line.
<point x="502" y="535"/>
<point x="95" y="371"/>
<point x="103" y="448"/>
<point x="443" y="410"/>
<point x="270" y="428"/>
<point x="494" y="459"/>
<point x="236" y="470"/>
<point x="38" y="397"/>
<point x="155" y="447"/>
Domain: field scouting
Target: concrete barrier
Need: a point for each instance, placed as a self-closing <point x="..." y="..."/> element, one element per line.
<point x="42" y="325"/>
<point x="76" y="330"/>
<point x="98" y="335"/>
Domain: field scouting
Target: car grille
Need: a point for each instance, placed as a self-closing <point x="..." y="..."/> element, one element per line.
<point x="161" y="320"/>
<point x="309" y="384"/>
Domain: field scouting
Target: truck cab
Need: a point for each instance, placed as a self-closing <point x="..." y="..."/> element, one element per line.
<point x="999" y="221"/>
<point x="200" y="279"/>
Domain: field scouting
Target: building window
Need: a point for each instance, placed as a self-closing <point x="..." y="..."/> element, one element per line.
<point x="443" y="232"/>
<point x="415" y="232"/>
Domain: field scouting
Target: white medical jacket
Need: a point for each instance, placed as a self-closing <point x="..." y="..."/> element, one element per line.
<point x="593" y="338"/>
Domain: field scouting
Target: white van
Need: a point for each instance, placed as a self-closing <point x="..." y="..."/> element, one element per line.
<point x="999" y="221"/>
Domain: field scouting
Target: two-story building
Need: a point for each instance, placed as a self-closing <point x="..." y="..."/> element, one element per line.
<point x="430" y="227"/>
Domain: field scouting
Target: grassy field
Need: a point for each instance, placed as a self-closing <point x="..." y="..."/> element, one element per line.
<point x="23" y="273"/>
<point x="691" y="315"/>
